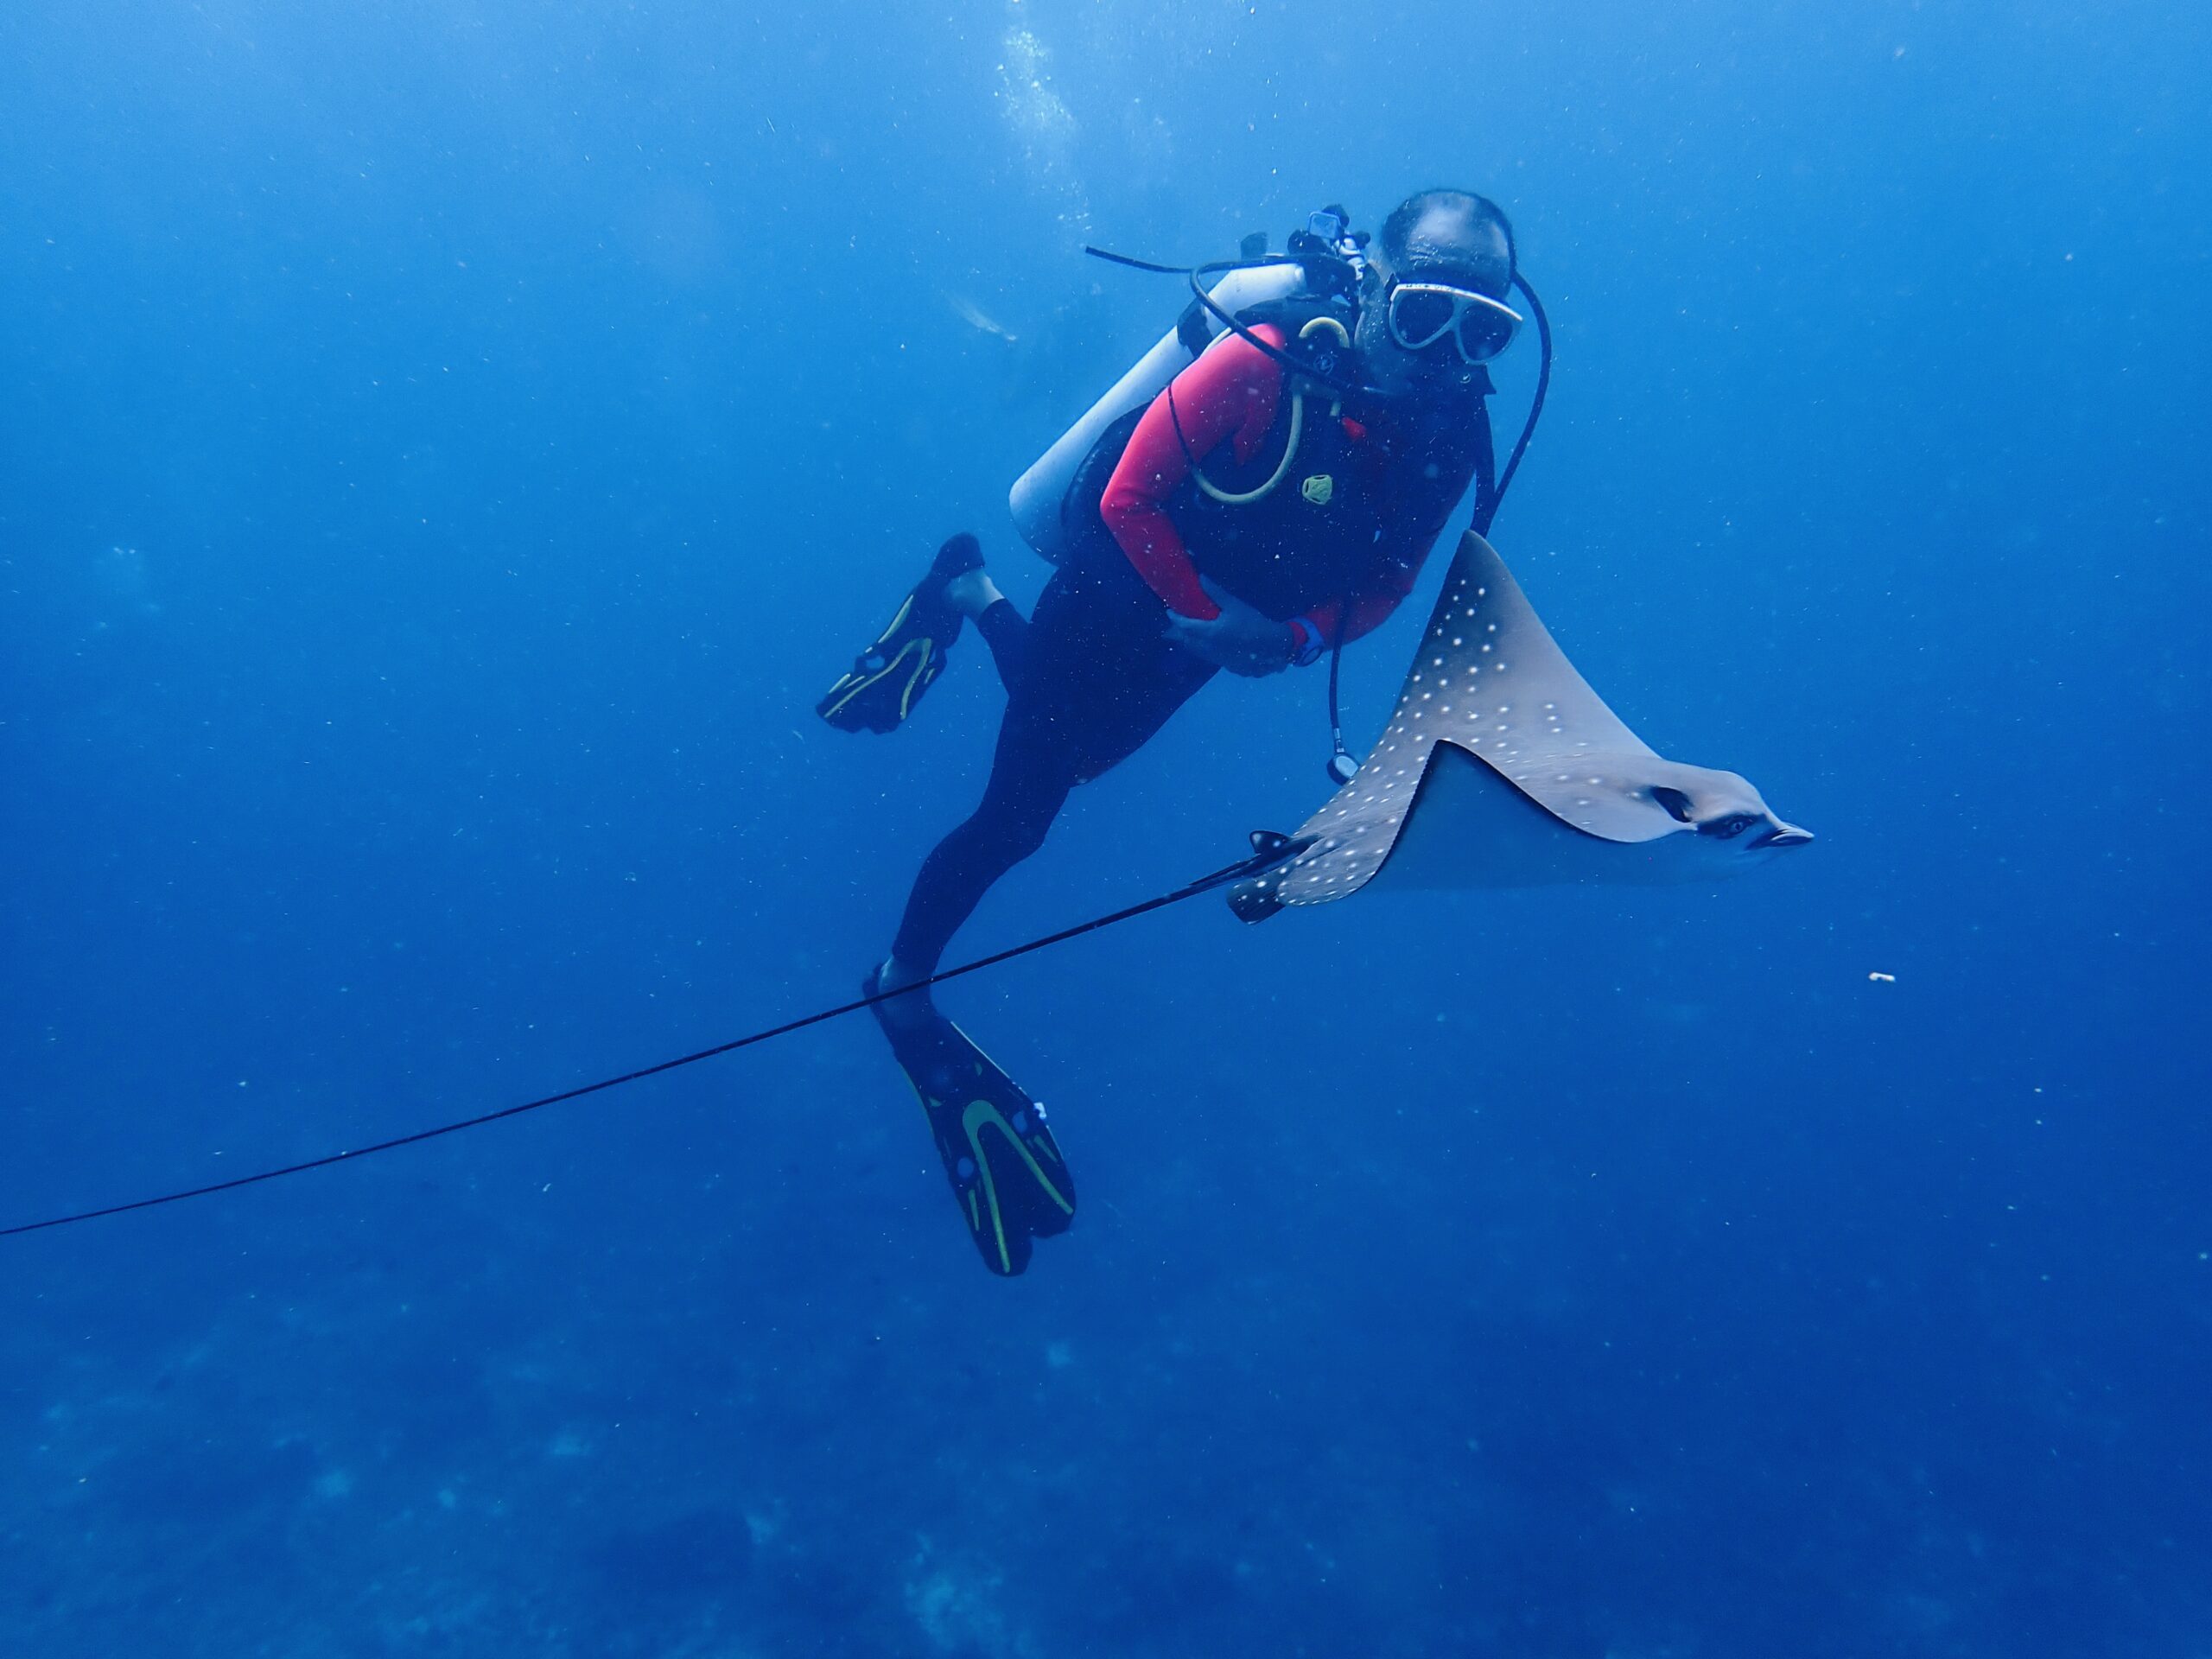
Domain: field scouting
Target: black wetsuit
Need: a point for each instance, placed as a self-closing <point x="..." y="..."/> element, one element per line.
<point x="1090" y="678"/>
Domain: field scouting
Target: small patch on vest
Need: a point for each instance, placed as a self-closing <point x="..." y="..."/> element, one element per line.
<point x="1318" y="488"/>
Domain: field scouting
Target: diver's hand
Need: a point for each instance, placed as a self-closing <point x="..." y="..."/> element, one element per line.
<point x="1240" y="639"/>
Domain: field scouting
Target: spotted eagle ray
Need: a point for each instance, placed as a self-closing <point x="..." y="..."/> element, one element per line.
<point x="1502" y="768"/>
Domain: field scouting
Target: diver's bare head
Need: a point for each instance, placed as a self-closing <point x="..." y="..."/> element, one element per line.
<point x="1444" y="239"/>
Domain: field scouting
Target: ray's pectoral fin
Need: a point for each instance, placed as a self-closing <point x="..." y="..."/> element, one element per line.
<point x="1502" y="767"/>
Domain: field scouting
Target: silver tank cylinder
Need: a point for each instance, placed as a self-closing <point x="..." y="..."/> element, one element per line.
<point x="1035" y="499"/>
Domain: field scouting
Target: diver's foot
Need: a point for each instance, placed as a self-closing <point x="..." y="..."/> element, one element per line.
<point x="909" y="1012"/>
<point x="972" y="593"/>
<point x="957" y="556"/>
<point x="958" y="572"/>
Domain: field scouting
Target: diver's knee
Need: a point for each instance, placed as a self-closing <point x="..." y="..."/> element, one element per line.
<point x="1025" y="840"/>
<point x="1019" y="831"/>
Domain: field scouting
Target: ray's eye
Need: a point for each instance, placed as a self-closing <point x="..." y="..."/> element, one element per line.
<point x="1729" y="828"/>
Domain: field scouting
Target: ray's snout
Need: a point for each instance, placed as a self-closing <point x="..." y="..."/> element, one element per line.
<point x="1786" y="834"/>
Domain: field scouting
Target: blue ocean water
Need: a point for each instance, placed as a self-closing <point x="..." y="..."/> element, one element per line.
<point x="446" y="451"/>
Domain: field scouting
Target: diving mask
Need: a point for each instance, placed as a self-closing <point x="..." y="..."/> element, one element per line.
<point x="1420" y="314"/>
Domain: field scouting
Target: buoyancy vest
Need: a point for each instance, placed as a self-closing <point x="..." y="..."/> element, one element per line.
<point x="1325" y="530"/>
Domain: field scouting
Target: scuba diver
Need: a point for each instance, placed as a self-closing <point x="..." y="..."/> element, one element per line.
<point x="1273" y="502"/>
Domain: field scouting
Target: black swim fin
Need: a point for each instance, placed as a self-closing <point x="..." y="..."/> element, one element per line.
<point x="888" y="678"/>
<point x="1006" y="1172"/>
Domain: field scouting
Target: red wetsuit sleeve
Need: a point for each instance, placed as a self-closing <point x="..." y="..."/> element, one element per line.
<point x="1230" y="392"/>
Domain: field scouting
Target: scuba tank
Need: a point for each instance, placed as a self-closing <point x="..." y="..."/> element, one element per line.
<point x="1036" y="496"/>
<point x="1324" y="260"/>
